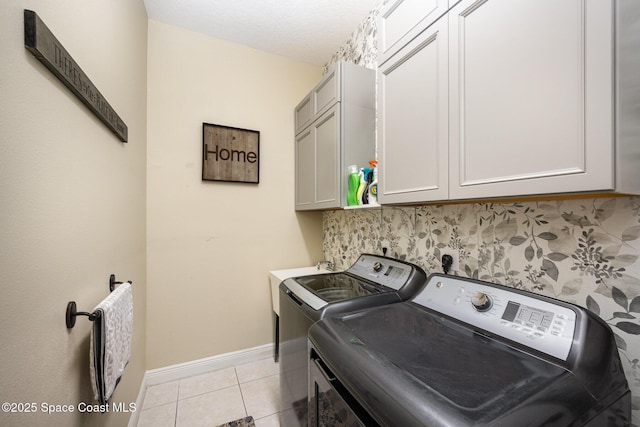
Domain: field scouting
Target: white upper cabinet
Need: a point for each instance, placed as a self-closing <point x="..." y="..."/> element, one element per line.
<point x="413" y="120"/>
<point x="335" y="128"/>
<point x="543" y="97"/>
<point x="531" y="97"/>
<point x="317" y="161"/>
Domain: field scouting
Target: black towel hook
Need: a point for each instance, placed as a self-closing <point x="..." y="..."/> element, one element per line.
<point x="113" y="283"/>
<point x="72" y="312"/>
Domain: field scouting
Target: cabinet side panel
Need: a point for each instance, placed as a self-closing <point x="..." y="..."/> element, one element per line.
<point x="358" y="86"/>
<point x="628" y="96"/>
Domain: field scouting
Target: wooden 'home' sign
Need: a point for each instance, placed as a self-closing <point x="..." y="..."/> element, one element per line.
<point x="230" y="154"/>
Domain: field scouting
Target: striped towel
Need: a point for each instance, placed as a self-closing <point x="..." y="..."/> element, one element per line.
<point x="110" y="348"/>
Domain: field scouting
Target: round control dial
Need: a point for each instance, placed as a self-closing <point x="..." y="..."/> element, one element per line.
<point x="481" y="301"/>
<point x="377" y="266"/>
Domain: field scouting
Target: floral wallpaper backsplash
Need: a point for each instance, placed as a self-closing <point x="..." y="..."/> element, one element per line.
<point x="584" y="251"/>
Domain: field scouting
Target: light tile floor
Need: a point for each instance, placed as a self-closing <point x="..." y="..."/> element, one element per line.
<point x="216" y="397"/>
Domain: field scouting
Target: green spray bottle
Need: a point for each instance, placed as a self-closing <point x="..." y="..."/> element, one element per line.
<point x="354" y="183"/>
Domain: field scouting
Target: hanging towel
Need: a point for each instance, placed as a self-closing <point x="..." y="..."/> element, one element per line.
<point x="111" y="341"/>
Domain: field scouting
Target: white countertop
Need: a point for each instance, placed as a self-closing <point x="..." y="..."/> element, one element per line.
<point x="277" y="276"/>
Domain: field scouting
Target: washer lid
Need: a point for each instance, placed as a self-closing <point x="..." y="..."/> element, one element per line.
<point x="468" y="369"/>
<point x="408" y="366"/>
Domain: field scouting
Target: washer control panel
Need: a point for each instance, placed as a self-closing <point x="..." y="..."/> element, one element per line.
<point x="523" y="318"/>
<point x="384" y="271"/>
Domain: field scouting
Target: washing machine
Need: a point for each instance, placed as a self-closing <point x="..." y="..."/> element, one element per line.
<point x="372" y="281"/>
<point x="467" y="353"/>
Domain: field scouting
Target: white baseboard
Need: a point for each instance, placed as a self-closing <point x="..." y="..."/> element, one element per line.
<point x="200" y="366"/>
<point x="197" y="367"/>
<point x="133" y="419"/>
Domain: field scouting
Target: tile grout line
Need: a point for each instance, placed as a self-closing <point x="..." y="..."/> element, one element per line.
<point x="246" y="413"/>
<point x="175" y="418"/>
<point x="207" y="392"/>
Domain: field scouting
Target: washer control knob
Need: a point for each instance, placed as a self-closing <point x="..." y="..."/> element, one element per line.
<point x="377" y="266"/>
<point x="481" y="301"/>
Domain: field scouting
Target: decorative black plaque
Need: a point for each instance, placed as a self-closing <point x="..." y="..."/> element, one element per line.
<point x="39" y="40"/>
<point x="230" y="154"/>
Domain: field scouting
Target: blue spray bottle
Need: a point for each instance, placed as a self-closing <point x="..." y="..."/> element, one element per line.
<point x="363" y="193"/>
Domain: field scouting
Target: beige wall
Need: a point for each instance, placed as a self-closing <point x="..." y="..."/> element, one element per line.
<point x="72" y="204"/>
<point x="211" y="244"/>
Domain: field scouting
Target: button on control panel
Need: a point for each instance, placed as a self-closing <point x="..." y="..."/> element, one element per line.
<point x="522" y="317"/>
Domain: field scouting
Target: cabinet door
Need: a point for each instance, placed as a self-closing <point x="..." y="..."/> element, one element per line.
<point x="402" y="20"/>
<point x="530" y="97"/>
<point x="326" y="93"/>
<point x="317" y="163"/>
<point x="303" y="114"/>
<point x="305" y="170"/>
<point x="327" y="141"/>
<point x="412" y="121"/>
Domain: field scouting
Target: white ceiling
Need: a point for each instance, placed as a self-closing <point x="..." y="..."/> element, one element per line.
<point x="306" y="30"/>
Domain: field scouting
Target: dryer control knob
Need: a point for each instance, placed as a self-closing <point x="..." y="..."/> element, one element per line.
<point x="377" y="266"/>
<point x="481" y="301"/>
